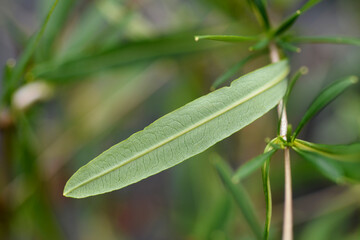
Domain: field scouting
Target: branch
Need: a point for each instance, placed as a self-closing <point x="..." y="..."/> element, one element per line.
<point x="288" y="214"/>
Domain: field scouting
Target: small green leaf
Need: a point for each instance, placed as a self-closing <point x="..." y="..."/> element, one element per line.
<point x="261" y="8"/>
<point x="284" y="26"/>
<point x="347" y="153"/>
<point x="252" y="165"/>
<point x="324" y="98"/>
<point x="232" y="71"/>
<point x="25" y="57"/>
<point x="288" y="46"/>
<point x="302" y="71"/>
<point x="340" y="163"/>
<point x="293" y="80"/>
<point x="8" y="70"/>
<point x="239" y="194"/>
<point x="183" y="133"/>
<point x="124" y="54"/>
<point x="265" y="170"/>
<point x="226" y="38"/>
<point x="261" y="44"/>
<point x="57" y="21"/>
<point x="289" y="22"/>
<point x="325" y="39"/>
<point x="309" y="4"/>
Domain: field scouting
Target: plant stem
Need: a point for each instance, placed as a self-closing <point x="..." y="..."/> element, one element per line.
<point x="288" y="214"/>
<point x="6" y="135"/>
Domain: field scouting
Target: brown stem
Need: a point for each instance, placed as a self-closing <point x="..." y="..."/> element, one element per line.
<point x="288" y="214"/>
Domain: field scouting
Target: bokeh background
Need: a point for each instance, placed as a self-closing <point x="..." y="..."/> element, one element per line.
<point x="111" y="67"/>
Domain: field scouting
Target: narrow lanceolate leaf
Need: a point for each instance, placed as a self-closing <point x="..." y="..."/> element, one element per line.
<point x="288" y="46"/>
<point x="265" y="170"/>
<point x="182" y="133"/>
<point x="226" y="38"/>
<point x="7" y="70"/>
<point x="345" y="153"/>
<point x="292" y="82"/>
<point x="324" y="98"/>
<point x="261" y="44"/>
<point x="26" y="56"/>
<point x="239" y="194"/>
<point x="340" y="163"/>
<point x="232" y="71"/>
<point x="284" y="26"/>
<point x="326" y="39"/>
<point x="82" y="65"/>
<point x="260" y="5"/>
<point x="289" y="22"/>
<point x="309" y="4"/>
<point x="56" y="23"/>
<point x="252" y="165"/>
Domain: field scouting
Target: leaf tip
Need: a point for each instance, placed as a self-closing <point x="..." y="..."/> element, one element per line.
<point x="69" y="190"/>
<point x="197" y="38"/>
<point x="304" y="70"/>
<point x="11" y="62"/>
<point x="354" y="79"/>
<point x="66" y="191"/>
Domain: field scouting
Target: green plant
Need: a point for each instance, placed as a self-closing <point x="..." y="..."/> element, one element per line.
<point x="209" y="119"/>
<point x="203" y="122"/>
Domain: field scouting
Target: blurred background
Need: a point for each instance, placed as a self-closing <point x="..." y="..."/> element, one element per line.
<point x="108" y="68"/>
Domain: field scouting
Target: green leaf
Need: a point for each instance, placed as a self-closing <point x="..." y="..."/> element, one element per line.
<point x="347" y="153"/>
<point x="288" y="46"/>
<point x="232" y="71"/>
<point x="86" y="30"/>
<point x="326" y="39"/>
<point x="252" y="165"/>
<point x="293" y="80"/>
<point x="324" y="98"/>
<point x="261" y="8"/>
<point x="309" y="4"/>
<point x="265" y="170"/>
<point x="289" y="22"/>
<point x="182" y="133"/>
<point x="122" y="55"/>
<point x="284" y="26"/>
<point x="25" y="57"/>
<point x="56" y="23"/>
<point x="340" y="163"/>
<point x="261" y="44"/>
<point x="239" y="194"/>
<point x="8" y="70"/>
<point x="302" y="71"/>
<point x="226" y="38"/>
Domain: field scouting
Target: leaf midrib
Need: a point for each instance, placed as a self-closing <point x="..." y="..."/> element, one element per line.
<point x="267" y="86"/>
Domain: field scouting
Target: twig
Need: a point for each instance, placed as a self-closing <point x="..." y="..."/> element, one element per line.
<point x="288" y="214"/>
